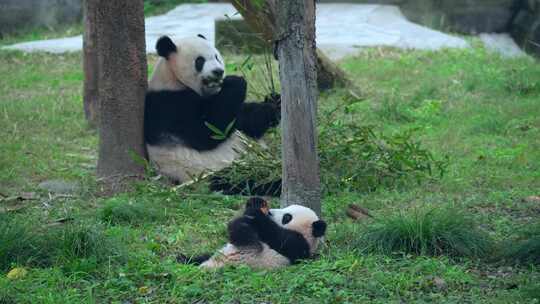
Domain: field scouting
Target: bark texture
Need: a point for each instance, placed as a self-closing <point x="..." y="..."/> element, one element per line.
<point x="298" y="76"/>
<point x="122" y="82"/>
<point x="261" y="16"/>
<point x="90" y="64"/>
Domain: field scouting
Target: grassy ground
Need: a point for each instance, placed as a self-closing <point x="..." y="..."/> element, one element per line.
<point x="481" y="111"/>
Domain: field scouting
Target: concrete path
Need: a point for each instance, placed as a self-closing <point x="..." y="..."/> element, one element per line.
<point x="342" y="29"/>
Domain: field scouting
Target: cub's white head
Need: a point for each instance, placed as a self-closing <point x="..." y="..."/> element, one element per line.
<point x="302" y="220"/>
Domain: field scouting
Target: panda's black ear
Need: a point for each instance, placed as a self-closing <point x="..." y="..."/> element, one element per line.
<point x="165" y="46"/>
<point x="201" y="36"/>
<point x="319" y="228"/>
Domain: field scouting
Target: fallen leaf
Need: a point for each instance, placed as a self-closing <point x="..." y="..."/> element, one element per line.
<point x="60" y="221"/>
<point x="144" y="290"/>
<point x="357" y="212"/>
<point x="17" y="273"/>
<point x="532" y="199"/>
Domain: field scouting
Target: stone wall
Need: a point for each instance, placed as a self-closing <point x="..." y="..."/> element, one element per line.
<point x="18" y="14"/>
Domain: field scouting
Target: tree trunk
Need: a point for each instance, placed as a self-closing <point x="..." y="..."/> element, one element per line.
<point x="122" y="82"/>
<point x="298" y="76"/>
<point x="261" y="16"/>
<point x="90" y="63"/>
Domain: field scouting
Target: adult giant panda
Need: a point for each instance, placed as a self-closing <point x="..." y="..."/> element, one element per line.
<point x="189" y="97"/>
<point x="267" y="238"/>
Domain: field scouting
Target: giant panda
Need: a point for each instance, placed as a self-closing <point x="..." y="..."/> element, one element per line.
<point x="188" y="97"/>
<point x="267" y="238"/>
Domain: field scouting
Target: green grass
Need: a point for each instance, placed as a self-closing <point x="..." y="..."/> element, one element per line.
<point x="122" y="210"/>
<point x="478" y="109"/>
<point x="158" y="7"/>
<point x="72" y="246"/>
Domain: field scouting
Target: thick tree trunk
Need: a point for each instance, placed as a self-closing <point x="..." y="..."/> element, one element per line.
<point x="261" y="16"/>
<point x="122" y="85"/>
<point x="90" y="64"/>
<point x="298" y="75"/>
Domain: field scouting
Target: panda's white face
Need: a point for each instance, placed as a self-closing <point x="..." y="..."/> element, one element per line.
<point x="195" y="63"/>
<point x="199" y="65"/>
<point x="300" y="219"/>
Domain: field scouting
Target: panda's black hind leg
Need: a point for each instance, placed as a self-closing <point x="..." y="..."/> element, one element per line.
<point x="196" y="260"/>
<point x="247" y="187"/>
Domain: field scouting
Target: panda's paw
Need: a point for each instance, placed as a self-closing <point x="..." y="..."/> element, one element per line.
<point x="236" y="82"/>
<point x="273" y="98"/>
<point x="256" y="206"/>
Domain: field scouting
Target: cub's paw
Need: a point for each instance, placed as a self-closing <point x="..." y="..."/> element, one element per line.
<point x="257" y="206"/>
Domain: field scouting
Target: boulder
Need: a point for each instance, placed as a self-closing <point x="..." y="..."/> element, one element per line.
<point x="462" y="16"/>
<point x="19" y="14"/>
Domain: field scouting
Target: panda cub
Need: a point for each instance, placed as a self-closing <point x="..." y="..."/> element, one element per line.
<point x="188" y="98"/>
<point x="267" y="238"/>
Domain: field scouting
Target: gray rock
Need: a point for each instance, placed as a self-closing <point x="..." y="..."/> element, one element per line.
<point x="502" y="44"/>
<point x="60" y="186"/>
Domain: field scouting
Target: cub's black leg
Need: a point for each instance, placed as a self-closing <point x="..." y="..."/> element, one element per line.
<point x="255" y="118"/>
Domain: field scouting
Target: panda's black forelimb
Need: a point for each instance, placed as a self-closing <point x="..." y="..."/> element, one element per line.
<point x="183" y="114"/>
<point x="220" y="182"/>
<point x="287" y="242"/>
<point x="255" y="118"/>
<point x="222" y="109"/>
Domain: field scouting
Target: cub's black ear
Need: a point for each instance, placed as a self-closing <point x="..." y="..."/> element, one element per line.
<point x="165" y="46"/>
<point x="201" y="36"/>
<point x="319" y="228"/>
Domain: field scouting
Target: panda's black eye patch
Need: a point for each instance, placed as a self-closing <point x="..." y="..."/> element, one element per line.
<point x="217" y="58"/>
<point x="199" y="63"/>
<point x="286" y="218"/>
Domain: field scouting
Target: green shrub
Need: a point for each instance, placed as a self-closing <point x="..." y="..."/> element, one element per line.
<point x="22" y="242"/>
<point x="352" y="158"/>
<point x="525" y="249"/>
<point x="18" y="245"/>
<point x="433" y="231"/>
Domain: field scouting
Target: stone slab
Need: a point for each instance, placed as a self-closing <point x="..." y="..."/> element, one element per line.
<point x="342" y="29"/>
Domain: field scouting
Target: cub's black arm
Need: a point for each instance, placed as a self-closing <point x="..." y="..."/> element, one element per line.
<point x="242" y="233"/>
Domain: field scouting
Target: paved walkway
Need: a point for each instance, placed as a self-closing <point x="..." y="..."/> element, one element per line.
<point x="342" y="29"/>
